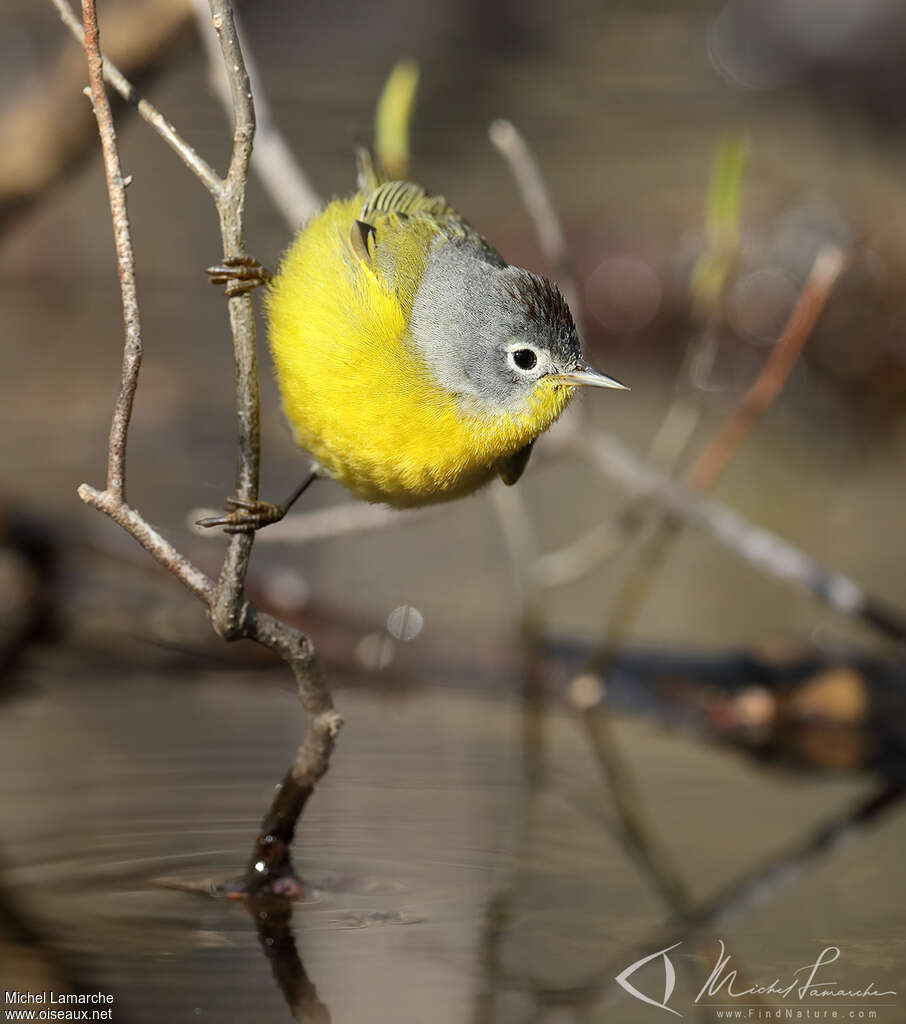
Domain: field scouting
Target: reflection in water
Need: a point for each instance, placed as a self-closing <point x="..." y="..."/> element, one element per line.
<point x="273" y="919"/>
<point x="836" y="697"/>
<point x="31" y="957"/>
<point x="686" y="920"/>
<point x="434" y="809"/>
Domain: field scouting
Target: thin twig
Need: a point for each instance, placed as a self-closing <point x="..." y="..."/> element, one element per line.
<point x="673" y="438"/>
<point x="227" y="611"/>
<point x="349" y="517"/>
<point x="231" y="615"/>
<point x="47" y="128"/>
<point x="156" y="546"/>
<point x="147" y="111"/>
<point x="280" y="173"/>
<point x="536" y="196"/>
<point x="125" y="258"/>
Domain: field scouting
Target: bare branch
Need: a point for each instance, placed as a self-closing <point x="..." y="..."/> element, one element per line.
<point x="607" y="538"/>
<point x="231" y="615"/>
<point x="113" y="500"/>
<point x="637" y="586"/>
<point x="232" y="202"/>
<point x="582" y="556"/>
<point x="537" y="199"/>
<point x="762" y="549"/>
<point x="47" y="127"/>
<point x="159" y="548"/>
<point x="227" y="611"/>
<point x="272" y="160"/>
<point x="147" y="111"/>
<point x="116" y="190"/>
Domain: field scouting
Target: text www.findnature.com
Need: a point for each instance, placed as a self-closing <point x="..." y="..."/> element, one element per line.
<point x="791" y="1013"/>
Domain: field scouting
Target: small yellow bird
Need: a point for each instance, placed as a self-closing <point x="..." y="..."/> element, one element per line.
<point x="414" y="364"/>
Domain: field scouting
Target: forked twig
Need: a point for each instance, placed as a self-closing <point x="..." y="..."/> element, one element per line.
<point x="201" y="168"/>
<point x="46" y="129"/>
<point x="232" y="616"/>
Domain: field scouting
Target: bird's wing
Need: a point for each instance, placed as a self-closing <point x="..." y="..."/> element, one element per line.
<point x="513" y="467"/>
<point x="401" y="224"/>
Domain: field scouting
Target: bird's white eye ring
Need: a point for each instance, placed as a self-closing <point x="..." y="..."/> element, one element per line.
<point x="524" y="359"/>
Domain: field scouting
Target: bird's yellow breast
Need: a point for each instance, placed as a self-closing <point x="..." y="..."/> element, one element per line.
<point x="359" y="395"/>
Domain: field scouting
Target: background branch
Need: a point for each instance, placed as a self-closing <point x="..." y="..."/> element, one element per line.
<point x="283" y="178"/>
<point x="536" y="196"/>
<point x="47" y="128"/>
<point x="761" y="548"/>
<point x="201" y="168"/>
<point x="638" y="585"/>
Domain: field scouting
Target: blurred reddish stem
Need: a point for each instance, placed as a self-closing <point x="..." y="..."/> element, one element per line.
<point x="763" y="393"/>
<point x="638" y="585"/>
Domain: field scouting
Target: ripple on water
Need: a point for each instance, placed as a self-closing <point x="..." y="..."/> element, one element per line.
<point x="120" y="803"/>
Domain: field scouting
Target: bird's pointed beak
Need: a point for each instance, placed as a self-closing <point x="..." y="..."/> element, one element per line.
<point x="587" y="377"/>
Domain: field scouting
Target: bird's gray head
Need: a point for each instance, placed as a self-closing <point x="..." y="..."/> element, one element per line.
<point x="491" y="332"/>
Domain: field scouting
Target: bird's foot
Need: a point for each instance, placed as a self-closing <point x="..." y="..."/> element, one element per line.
<point x="245" y="516"/>
<point x="239" y="274"/>
<point x="281" y="883"/>
<point x="270" y="872"/>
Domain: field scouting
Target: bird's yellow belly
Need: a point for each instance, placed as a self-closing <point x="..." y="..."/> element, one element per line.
<point x="399" y="441"/>
<point x="358" y="394"/>
<point x="437" y="466"/>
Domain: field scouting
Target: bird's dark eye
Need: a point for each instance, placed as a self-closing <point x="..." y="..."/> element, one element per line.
<point x="525" y="359"/>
